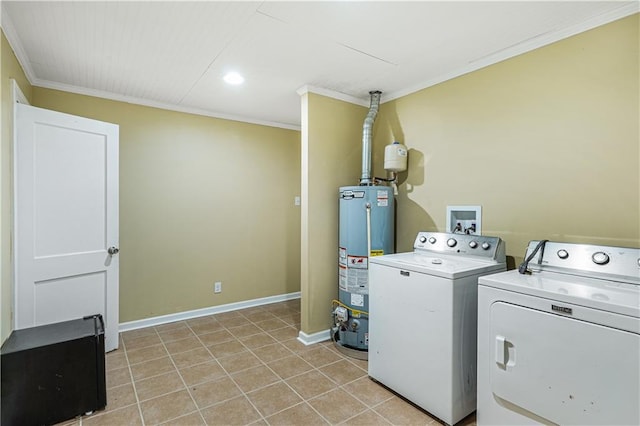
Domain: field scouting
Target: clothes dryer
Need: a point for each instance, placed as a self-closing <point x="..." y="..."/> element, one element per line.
<point x="560" y="342"/>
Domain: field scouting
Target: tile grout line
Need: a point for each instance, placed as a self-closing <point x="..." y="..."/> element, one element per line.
<point x="284" y="381"/>
<point x="342" y="386"/>
<point x="250" y="350"/>
<point x="263" y="417"/>
<point x="230" y="377"/>
<point x="214" y="358"/>
<point x="369" y="407"/>
<point x="133" y="382"/>
<point x="137" y="403"/>
<point x="157" y="375"/>
<point x="304" y="400"/>
<point x="273" y="334"/>
<point x="195" y="403"/>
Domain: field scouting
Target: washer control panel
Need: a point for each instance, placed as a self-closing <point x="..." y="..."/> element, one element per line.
<point x="461" y="244"/>
<point x="619" y="263"/>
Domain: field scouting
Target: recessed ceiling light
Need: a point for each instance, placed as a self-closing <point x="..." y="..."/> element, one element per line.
<point x="233" y="78"/>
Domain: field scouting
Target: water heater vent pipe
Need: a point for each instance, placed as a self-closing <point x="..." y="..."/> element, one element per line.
<point x="367" y="133"/>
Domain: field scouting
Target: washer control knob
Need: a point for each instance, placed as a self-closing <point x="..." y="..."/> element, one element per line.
<point x="563" y="254"/>
<point x="423" y="239"/>
<point x="432" y="240"/>
<point x="451" y="242"/>
<point x="473" y="244"/>
<point x="600" y="258"/>
<point x="486" y="246"/>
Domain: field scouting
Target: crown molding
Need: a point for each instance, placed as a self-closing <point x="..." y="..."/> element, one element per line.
<point x="526" y="46"/>
<point x="332" y="94"/>
<point x="14" y="41"/>
<point x="161" y="105"/>
<point x="623" y="11"/>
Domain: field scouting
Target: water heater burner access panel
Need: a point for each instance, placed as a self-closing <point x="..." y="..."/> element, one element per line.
<point x="461" y="244"/>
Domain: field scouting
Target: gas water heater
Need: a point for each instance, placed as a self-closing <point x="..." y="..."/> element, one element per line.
<point x="367" y="228"/>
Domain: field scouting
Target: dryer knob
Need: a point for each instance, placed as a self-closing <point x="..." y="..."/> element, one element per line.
<point x="473" y="244"/>
<point x="432" y="240"/>
<point x="423" y="239"/>
<point x="451" y="242"/>
<point x="600" y="258"/>
<point x="486" y="246"/>
<point x="563" y="254"/>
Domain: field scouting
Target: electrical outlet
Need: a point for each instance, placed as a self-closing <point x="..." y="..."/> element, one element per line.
<point x="217" y="287"/>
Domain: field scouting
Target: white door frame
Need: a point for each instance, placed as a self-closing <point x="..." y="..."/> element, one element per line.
<point x="17" y="97"/>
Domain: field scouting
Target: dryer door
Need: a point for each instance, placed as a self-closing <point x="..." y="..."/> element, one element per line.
<point x="565" y="370"/>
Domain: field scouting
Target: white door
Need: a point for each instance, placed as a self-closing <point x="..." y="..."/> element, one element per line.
<point x="66" y="219"/>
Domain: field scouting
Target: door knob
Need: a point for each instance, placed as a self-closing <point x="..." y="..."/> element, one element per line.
<point x="113" y="250"/>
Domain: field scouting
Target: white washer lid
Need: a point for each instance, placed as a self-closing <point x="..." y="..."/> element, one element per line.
<point x="441" y="265"/>
<point x="605" y="295"/>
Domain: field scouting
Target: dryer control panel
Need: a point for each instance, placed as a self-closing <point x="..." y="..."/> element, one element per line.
<point x="461" y="244"/>
<point x="615" y="263"/>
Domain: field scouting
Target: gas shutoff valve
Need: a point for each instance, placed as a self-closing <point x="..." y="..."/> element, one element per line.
<point x="342" y="315"/>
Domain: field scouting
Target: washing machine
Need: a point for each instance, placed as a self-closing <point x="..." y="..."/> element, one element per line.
<point x="559" y="339"/>
<point x="422" y="320"/>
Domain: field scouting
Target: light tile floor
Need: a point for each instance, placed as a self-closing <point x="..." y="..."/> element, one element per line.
<point x="240" y="368"/>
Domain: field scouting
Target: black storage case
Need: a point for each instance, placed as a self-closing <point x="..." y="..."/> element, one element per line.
<point x="53" y="372"/>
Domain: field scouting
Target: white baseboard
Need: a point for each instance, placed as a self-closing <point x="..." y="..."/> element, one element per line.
<point x="181" y="316"/>
<point x="310" y="339"/>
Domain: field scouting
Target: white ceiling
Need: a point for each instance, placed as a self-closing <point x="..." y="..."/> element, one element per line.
<point x="174" y="54"/>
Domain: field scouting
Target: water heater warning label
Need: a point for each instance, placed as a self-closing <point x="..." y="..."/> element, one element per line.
<point x="342" y="277"/>
<point x="357" y="299"/>
<point x="342" y="255"/>
<point x="355" y="281"/>
<point x="360" y="262"/>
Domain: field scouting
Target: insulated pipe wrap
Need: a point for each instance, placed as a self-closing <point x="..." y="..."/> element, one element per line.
<point x="367" y="134"/>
